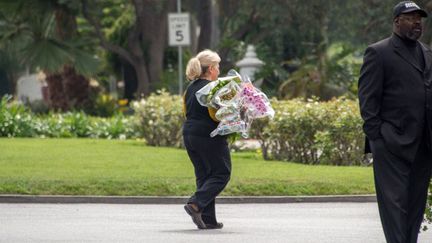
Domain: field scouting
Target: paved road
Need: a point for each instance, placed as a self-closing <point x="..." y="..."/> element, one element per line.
<point x="290" y="222"/>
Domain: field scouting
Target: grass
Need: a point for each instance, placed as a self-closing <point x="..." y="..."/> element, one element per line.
<point x="113" y="167"/>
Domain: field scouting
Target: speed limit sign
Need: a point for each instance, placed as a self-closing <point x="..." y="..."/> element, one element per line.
<point x="178" y="29"/>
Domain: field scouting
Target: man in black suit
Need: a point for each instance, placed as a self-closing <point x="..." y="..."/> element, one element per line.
<point x="396" y="106"/>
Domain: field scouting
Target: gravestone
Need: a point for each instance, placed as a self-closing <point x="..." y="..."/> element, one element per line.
<point x="29" y="88"/>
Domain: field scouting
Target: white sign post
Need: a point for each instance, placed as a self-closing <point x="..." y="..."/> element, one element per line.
<point x="179" y="35"/>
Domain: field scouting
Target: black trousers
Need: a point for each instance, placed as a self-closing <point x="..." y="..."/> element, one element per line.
<point x="212" y="162"/>
<point x="401" y="188"/>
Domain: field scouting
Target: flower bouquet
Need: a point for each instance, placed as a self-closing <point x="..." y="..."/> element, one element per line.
<point x="220" y="92"/>
<point x="238" y="103"/>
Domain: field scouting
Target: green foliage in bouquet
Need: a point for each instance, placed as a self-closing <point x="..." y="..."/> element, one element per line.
<point x="221" y="83"/>
<point x="160" y="119"/>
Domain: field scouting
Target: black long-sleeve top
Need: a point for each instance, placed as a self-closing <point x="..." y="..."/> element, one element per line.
<point x="198" y="120"/>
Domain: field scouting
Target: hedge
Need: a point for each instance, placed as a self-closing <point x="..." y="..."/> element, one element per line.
<point x="309" y="132"/>
<point x="18" y="121"/>
<point x="313" y="132"/>
<point x="160" y="118"/>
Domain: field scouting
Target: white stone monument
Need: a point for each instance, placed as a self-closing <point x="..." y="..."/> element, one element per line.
<point x="29" y="88"/>
<point x="250" y="64"/>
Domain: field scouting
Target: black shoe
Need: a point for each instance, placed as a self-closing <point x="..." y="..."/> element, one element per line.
<point x="196" y="216"/>
<point x="214" y="226"/>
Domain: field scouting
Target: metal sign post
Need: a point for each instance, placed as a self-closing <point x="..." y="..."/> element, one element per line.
<point x="179" y="35"/>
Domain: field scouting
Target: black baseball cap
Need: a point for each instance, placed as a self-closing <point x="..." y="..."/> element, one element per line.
<point x="407" y="7"/>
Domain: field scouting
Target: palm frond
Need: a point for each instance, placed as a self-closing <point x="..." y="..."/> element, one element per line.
<point x="83" y="61"/>
<point x="47" y="54"/>
<point x="9" y="62"/>
<point x="25" y="7"/>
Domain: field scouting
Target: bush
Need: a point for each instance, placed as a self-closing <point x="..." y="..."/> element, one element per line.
<point x="428" y="211"/>
<point x="115" y="127"/>
<point x="342" y="141"/>
<point x="104" y="105"/>
<point x="18" y="121"/>
<point x="312" y="132"/>
<point x="37" y="106"/>
<point x="15" y="119"/>
<point x="160" y="119"/>
<point x="70" y="124"/>
<point x="52" y="125"/>
<point x="308" y="132"/>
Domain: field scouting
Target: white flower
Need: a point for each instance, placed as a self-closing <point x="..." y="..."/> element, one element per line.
<point x="122" y="137"/>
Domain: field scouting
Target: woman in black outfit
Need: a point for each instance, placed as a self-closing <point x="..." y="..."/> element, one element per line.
<point x="210" y="156"/>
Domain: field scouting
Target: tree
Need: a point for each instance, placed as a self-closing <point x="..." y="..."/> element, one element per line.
<point x="146" y="37"/>
<point x="9" y="64"/>
<point x="44" y="33"/>
<point x="427" y="37"/>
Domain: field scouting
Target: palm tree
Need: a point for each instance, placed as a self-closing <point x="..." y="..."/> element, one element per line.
<point x="44" y="32"/>
<point x="328" y="73"/>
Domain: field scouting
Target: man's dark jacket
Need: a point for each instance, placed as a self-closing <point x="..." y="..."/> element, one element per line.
<point x="392" y="96"/>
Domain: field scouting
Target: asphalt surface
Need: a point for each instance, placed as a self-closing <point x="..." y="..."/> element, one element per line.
<point x="283" y="222"/>
<point x="179" y="199"/>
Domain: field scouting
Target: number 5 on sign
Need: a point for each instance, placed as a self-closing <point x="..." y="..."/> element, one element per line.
<point x="178" y="29"/>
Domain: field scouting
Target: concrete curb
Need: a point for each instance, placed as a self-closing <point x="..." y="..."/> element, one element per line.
<point x="182" y="199"/>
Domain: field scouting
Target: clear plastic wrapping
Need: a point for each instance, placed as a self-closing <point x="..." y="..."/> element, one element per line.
<point x="238" y="103"/>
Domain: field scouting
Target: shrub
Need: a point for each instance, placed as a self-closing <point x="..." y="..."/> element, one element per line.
<point x="52" y="125"/>
<point x="309" y="132"/>
<point x="18" y="121"/>
<point x="78" y="124"/>
<point x="37" y="106"/>
<point x="312" y="132"/>
<point x="70" y="124"/>
<point x="15" y="119"/>
<point x="342" y="141"/>
<point x="118" y="126"/>
<point x="104" y="105"/>
<point x="160" y="119"/>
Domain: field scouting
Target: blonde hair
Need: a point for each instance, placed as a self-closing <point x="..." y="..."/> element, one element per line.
<point x="199" y="64"/>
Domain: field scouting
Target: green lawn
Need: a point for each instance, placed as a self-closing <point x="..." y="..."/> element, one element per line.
<point x="112" y="167"/>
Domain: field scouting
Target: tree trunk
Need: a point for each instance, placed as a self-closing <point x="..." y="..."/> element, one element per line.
<point x="77" y="88"/>
<point x="12" y="79"/>
<point x="68" y="89"/>
<point x="56" y="99"/>
<point x="205" y="14"/>
<point x="146" y="41"/>
<point x="131" y="85"/>
<point x="216" y="30"/>
<point x="152" y="20"/>
<point x="142" y="79"/>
